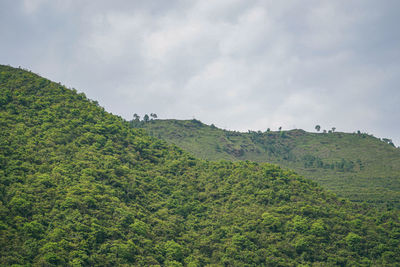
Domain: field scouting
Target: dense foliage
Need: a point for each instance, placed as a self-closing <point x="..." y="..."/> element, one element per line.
<point x="357" y="166"/>
<point x="79" y="187"/>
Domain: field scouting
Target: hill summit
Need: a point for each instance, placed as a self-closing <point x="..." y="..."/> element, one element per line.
<point x="80" y="187"/>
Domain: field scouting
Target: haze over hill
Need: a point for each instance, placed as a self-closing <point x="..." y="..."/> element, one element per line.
<point x="354" y="165"/>
<point x="80" y="187"/>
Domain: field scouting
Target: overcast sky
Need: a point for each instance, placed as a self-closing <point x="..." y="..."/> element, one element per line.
<point x="240" y="64"/>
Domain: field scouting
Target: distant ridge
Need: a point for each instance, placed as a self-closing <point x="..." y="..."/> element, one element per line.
<point x="354" y="165"/>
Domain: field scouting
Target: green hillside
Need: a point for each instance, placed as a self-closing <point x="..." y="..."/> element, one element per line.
<point x="357" y="166"/>
<point x="80" y="187"/>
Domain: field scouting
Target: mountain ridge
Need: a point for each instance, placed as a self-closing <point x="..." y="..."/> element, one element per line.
<point x="79" y="187"/>
<point x="354" y="165"/>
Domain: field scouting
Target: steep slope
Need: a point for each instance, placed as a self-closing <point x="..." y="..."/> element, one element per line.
<point x="357" y="166"/>
<point x="79" y="187"/>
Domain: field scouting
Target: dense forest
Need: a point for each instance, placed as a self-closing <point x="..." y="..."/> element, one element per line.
<point x="80" y="187"/>
<point x="357" y="166"/>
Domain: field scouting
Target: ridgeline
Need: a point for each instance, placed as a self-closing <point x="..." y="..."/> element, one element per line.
<point x="80" y="187"/>
<point x="357" y="166"/>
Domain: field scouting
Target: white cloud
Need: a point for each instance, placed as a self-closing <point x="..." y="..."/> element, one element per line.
<point x="238" y="64"/>
<point x="30" y="6"/>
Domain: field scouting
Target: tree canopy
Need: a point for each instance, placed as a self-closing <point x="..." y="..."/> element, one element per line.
<point x="79" y="187"/>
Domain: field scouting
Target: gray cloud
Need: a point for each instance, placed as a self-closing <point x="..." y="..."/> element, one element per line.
<point x="238" y="64"/>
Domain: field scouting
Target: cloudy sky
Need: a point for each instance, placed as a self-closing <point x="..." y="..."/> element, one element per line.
<point x="240" y="64"/>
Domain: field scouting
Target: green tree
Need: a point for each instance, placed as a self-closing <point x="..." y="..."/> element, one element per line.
<point x="136" y="117"/>
<point x="353" y="241"/>
<point x="173" y="251"/>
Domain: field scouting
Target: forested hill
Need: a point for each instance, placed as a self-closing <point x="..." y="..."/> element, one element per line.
<point x="357" y="166"/>
<point x="79" y="187"/>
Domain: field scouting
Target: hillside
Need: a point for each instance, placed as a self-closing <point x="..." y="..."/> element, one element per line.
<point x="79" y="187"/>
<point x="356" y="166"/>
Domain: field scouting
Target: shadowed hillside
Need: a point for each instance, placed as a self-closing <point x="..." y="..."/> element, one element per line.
<point x="358" y="166"/>
<point x="79" y="187"/>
